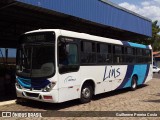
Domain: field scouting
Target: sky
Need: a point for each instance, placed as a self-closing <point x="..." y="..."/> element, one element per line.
<point x="11" y="52"/>
<point x="146" y="8"/>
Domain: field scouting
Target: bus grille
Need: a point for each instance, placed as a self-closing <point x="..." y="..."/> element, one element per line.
<point x="32" y="94"/>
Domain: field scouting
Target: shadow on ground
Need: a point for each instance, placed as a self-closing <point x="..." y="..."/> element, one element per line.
<point x="49" y="106"/>
<point x="116" y="92"/>
<point x="155" y="101"/>
<point x="58" y="106"/>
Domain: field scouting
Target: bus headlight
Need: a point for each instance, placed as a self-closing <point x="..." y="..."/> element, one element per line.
<point x="18" y="86"/>
<point x="49" y="87"/>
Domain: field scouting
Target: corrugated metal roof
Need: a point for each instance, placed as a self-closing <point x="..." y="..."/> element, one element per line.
<point x="126" y="10"/>
<point x="106" y="14"/>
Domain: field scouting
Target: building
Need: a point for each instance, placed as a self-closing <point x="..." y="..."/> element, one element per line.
<point x="156" y="58"/>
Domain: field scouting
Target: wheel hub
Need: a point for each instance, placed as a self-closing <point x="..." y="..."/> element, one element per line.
<point x="134" y="84"/>
<point x="86" y="93"/>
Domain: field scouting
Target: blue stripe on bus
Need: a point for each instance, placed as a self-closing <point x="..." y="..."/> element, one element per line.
<point x="32" y="83"/>
<point x="125" y="43"/>
<point x="26" y="83"/>
<point x="127" y="76"/>
<point x="147" y="71"/>
<point x="39" y="83"/>
<point x="140" y="71"/>
<point x="134" y="44"/>
<point x="137" y="45"/>
<point x="147" y="47"/>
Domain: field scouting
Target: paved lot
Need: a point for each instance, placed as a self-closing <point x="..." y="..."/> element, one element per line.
<point x="145" y="98"/>
<point x="156" y="75"/>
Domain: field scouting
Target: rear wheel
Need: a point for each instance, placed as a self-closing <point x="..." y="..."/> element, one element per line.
<point x="86" y="93"/>
<point x="134" y="83"/>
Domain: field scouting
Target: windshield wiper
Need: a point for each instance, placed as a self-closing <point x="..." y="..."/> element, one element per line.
<point x="31" y="62"/>
<point x="42" y="43"/>
<point x="25" y="55"/>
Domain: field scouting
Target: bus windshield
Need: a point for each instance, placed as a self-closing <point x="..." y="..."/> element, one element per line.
<point x="36" y="57"/>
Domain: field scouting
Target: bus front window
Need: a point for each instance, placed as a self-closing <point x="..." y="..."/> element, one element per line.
<point x="36" y="59"/>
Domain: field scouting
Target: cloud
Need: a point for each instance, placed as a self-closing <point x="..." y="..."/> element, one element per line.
<point x="147" y="8"/>
<point x="128" y="6"/>
<point x="145" y="3"/>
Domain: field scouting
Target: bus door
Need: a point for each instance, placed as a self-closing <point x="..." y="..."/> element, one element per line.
<point x="68" y="65"/>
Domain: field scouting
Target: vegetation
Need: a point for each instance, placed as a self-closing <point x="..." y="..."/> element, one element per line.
<point x="155" y="36"/>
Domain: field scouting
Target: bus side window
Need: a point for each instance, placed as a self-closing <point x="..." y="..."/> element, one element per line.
<point x="130" y="58"/>
<point x="147" y="54"/>
<point x="117" y="54"/>
<point x="72" y="54"/>
<point x="139" y="56"/>
<point x="88" y="52"/>
<point x="104" y="53"/>
<point x="68" y="57"/>
<point x="63" y="58"/>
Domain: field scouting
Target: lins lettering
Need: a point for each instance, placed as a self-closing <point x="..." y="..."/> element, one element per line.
<point x="111" y="72"/>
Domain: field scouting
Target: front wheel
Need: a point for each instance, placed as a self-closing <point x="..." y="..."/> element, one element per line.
<point x="86" y="93"/>
<point x="134" y="83"/>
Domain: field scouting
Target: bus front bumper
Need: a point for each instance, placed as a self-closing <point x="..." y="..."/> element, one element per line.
<point x="51" y="97"/>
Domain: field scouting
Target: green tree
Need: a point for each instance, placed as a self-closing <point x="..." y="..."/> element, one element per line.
<point x="155" y="40"/>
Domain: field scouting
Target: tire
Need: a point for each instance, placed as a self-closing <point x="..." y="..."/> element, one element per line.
<point x="158" y="72"/>
<point x="86" y="93"/>
<point x="134" y="83"/>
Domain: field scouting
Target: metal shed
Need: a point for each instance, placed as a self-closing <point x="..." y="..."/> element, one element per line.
<point x="98" y="17"/>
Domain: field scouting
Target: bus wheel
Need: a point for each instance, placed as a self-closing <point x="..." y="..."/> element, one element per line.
<point x="134" y="83"/>
<point x="86" y="93"/>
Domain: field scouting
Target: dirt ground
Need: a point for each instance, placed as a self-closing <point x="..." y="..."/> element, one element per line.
<point x="145" y="98"/>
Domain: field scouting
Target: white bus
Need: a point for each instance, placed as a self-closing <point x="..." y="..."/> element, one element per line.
<point x="56" y="65"/>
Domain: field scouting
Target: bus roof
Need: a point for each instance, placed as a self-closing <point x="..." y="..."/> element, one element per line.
<point x="91" y="37"/>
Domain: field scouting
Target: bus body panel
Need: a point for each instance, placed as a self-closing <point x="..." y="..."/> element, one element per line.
<point x="150" y="74"/>
<point x="68" y="86"/>
<point x="105" y="77"/>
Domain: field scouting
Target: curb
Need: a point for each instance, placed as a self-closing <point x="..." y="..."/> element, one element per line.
<point x="7" y="102"/>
